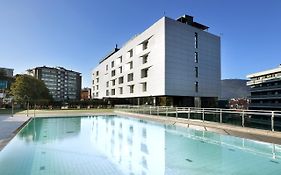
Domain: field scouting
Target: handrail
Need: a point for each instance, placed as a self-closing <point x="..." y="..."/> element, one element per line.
<point x="223" y="114"/>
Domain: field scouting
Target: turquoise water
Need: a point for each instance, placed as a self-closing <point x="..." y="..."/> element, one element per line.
<point x="121" y="145"/>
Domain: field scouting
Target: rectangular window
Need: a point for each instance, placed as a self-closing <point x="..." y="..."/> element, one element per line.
<point x="98" y="80"/>
<point x="120" y="69"/>
<point x="130" y="53"/>
<point x="131" y="64"/>
<point x="112" y="63"/>
<point x="130" y="77"/>
<point x="112" y="91"/>
<point x="107" y="92"/>
<point x="106" y="68"/>
<point x="144" y="45"/>
<point x="120" y="80"/>
<point x="144" y="87"/>
<point x="113" y="73"/>
<point x="196" y="40"/>
<point x="144" y="73"/>
<point x="93" y="81"/>
<point x="113" y="82"/>
<point x="97" y="94"/>
<point x="93" y="88"/>
<point x="196" y="86"/>
<point x="196" y="57"/>
<point x="144" y="59"/>
<point x="97" y="73"/>
<point x="196" y="72"/>
<point x="119" y="60"/>
<point x="120" y="90"/>
<point x="131" y="88"/>
<point x="107" y="83"/>
<point x="97" y="87"/>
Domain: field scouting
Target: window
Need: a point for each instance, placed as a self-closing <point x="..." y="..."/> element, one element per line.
<point x="93" y="81"/>
<point x="130" y="53"/>
<point x="119" y="60"/>
<point x="120" y="90"/>
<point x="196" y="86"/>
<point x="196" y="72"/>
<point x="130" y="77"/>
<point x="106" y="68"/>
<point x="98" y="80"/>
<point x="97" y="73"/>
<point x="196" y="40"/>
<point x="144" y="59"/>
<point x="144" y="45"/>
<point x="93" y="88"/>
<point x="120" y="80"/>
<point x="144" y="87"/>
<point x="107" y="83"/>
<point x="112" y="91"/>
<point x="131" y="64"/>
<point x="131" y="88"/>
<point x="97" y="94"/>
<point x="144" y="73"/>
<point x="112" y="63"/>
<point x="97" y="87"/>
<point x="196" y="57"/>
<point x="113" y="82"/>
<point x="120" y="69"/>
<point x="107" y="93"/>
<point x="113" y="73"/>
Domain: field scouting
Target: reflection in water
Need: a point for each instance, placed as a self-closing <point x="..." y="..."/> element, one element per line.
<point x="139" y="153"/>
<point x="61" y="128"/>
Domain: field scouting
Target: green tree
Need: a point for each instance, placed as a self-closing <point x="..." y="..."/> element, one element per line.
<point x="29" y="88"/>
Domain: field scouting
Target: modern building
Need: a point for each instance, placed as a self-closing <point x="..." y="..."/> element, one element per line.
<point x="7" y="71"/>
<point x="63" y="84"/>
<point x="86" y="93"/>
<point x="173" y="62"/>
<point x="265" y="89"/>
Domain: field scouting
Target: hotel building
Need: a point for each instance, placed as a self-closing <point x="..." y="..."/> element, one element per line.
<point x="265" y="89"/>
<point x="63" y="84"/>
<point x="173" y="62"/>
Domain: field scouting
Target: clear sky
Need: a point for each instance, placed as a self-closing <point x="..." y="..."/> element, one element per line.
<point x="76" y="34"/>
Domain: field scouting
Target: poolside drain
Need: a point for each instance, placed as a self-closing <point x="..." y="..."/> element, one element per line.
<point x="42" y="167"/>
<point x="188" y="160"/>
<point x="273" y="161"/>
<point x="69" y="132"/>
<point x="231" y="149"/>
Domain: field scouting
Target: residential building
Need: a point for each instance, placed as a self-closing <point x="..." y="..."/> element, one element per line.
<point x="86" y="94"/>
<point x="63" y="84"/>
<point x="265" y="89"/>
<point x="6" y="79"/>
<point x="173" y="62"/>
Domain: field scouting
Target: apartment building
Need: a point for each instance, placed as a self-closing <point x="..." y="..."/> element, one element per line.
<point x="86" y="94"/>
<point x="265" y="89"/>
<point x="173" y="62"/>
<point x="63" y="84"/>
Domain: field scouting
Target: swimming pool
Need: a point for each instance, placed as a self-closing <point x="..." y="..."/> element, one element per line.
<point x="123" y="145"/>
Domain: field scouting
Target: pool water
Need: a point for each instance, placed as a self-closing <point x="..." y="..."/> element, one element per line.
<point x="102" y="145"/>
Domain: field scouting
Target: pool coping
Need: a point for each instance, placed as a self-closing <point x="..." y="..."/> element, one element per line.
<point x="221" y="128"/>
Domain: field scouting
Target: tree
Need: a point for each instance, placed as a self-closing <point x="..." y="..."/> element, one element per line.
<point x="29" y="88"/>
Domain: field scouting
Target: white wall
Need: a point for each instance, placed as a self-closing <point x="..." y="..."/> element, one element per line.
<point x="180" y="63"/>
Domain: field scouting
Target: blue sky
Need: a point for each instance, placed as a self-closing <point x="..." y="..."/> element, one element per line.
<point x="76" y="34"/>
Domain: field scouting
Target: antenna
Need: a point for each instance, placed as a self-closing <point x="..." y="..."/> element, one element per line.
<point x="164" y="13"/>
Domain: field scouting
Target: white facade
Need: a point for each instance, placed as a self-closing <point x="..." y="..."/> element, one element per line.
<point x="162" y="61"/>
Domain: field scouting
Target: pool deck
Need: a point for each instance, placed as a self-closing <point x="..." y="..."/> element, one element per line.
<point x="9" y="126"/>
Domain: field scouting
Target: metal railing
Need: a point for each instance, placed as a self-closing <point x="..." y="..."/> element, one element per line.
<point x="269" y="120"/>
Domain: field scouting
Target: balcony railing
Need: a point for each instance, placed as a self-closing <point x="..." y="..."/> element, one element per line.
<point x="266" y="88"/>
<point x="263" y="119"/>
<point x="275" y="96"/>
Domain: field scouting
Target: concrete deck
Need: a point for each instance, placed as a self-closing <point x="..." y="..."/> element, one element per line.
<point x="9" y="127"/>
<point x="250" y="133"/>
